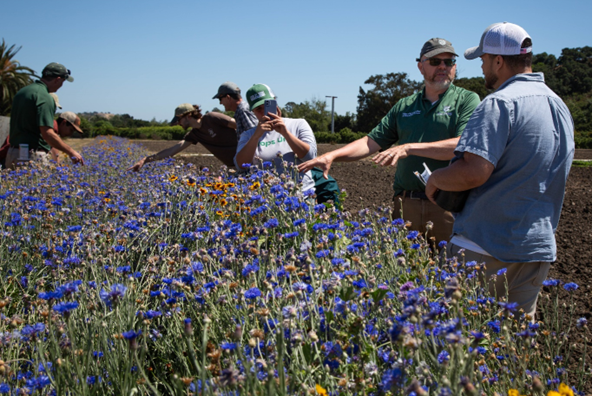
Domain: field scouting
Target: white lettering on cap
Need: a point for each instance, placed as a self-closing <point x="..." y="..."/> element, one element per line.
<point x="257" y="95"/>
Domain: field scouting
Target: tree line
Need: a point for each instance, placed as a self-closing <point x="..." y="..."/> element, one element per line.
<point x="569" y="75"/>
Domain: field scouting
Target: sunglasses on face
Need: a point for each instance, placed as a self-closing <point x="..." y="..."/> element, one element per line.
<point x="437" y="61"/>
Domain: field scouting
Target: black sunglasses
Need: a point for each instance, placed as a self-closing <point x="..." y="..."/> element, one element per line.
<point x="437" y="61"/>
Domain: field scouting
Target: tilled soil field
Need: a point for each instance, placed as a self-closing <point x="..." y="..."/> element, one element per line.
<point x="369" y="185"/>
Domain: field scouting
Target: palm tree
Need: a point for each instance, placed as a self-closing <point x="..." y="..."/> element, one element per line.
<point x="13" y="77"/>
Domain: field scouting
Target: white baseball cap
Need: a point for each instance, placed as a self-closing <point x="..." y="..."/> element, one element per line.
<point x="502" y="38"/>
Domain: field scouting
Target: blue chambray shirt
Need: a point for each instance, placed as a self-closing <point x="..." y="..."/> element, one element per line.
<point x="526" y="131"/>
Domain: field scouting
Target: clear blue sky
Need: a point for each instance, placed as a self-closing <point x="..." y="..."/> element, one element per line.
<point x="146" y="57"/>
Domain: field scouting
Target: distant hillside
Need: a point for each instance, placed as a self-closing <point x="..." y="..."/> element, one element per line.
<point x="89" y="115"/>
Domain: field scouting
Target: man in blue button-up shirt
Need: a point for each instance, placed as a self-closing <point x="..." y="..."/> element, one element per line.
<point x="515" y="155"/>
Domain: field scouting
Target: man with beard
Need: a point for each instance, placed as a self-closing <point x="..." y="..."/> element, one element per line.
<point x="514" y="157"/>
<point x="426" y="127"/>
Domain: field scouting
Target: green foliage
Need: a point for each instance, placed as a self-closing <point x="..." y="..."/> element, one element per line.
<point x="149" y="132"/>
<point x="374" y="103"/>
<point x="346" y="135"/>
<point x="13" y="77"/>
<point x="570" y="74"/>
<point x="314" y="111"/>
<point x="474" y="84"/>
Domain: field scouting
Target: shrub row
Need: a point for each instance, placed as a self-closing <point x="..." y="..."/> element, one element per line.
<point x="346" y="135"/>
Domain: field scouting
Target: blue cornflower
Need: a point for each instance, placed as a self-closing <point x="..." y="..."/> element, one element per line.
<point x="443" y="357"/>
<point x="117" y="292"/>
<point x="361" y="283"/>
<point x="271" y="223"/>
<point x="228" y="346"/>
<point x="55" y="295"/>
<point x="130" y="335"/>
<point x="508" y="306"/>
<point x="64" y="308"/>
<point x="291" y="234"/>
<point x="501" y="272"/>
<point x="495" y="326"/>
<point x="581" y="322"/>
<point x="412" y="235"/>
<point x="442" y="244"/>
<point x="254" y="292"/>
<point x="391" y="379"/>
<point x="551" y="282"/>
<point x="322" y="253"/>
<point x="571" y="286"/>
<point x="298" y="222"/>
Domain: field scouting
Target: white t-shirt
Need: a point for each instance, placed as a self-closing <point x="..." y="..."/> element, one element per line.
<point x="274" y="148"/>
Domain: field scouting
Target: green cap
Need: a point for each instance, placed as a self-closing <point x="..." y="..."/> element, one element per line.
<point x="180" y="110"/>
<point x="257" y="94"/>
<point x="57" y="70"/>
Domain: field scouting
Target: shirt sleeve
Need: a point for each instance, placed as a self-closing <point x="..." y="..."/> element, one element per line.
<point x="487" y="131"/>
<point x="305" y="133"/>
<point x="466" y="109"/>
<point x="191" y="137"/>
<point x="385" y="134"/>
<point x="46" y="108"/>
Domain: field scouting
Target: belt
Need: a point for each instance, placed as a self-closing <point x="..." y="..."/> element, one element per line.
<point x="38" y="149"/>
<point x="412" y="195"/>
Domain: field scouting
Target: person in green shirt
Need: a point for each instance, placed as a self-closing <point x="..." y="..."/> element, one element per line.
<point x="425" y="128"/>
<point x="32" y="118"/>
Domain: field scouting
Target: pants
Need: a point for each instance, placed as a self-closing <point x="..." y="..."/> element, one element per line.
<point x="419" y="212"/>
<point x="13" y="154"/>
<point x="524" y="279"/>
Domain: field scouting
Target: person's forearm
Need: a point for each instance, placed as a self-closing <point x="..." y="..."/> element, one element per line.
<point x="168" y="152"/>
<point x="54" y="140"/>
<point x="300" y="148"/>
<point x="463" y="174"/>
<point x="354" y="151"/>
<point x="442" y="150"/>
<point x="245" y="156"/>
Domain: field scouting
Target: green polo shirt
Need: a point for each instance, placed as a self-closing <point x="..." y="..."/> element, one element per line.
<point x="32" y="107"/>
<point x="413" y="120"/>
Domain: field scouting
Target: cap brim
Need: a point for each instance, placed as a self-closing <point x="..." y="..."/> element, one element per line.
<point x="258" y="103"/>
<point x="77" y="128"/>
<point x="438" y="51"/>
<point x="70" y="79"/>
<point x="473" y="53"/>
<point x="174" y="121"/>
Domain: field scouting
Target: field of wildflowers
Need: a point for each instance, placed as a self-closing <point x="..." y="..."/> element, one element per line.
<point x="180" y="280"/>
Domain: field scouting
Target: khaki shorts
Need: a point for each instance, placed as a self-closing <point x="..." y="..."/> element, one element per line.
<point x="524" y="280"/>
<point x="13" y="154"/>
<point x="421" y="211"/>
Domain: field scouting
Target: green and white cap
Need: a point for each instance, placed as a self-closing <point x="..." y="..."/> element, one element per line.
<point x="257" y="94"/>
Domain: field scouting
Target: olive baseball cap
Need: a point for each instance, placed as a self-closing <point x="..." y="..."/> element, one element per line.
<point x="73" y="119"/>
<point x="227" y="88"/>
<point x="180" y="110"/>
<point x="57" y="70"/>
<point x="436" y="46"/>
<point x="257" y="95"/>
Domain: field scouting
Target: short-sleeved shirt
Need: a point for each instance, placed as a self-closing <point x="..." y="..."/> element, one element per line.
<point x="32" y="107"/>
<point x="526" y="131"/>
<point x="244" y="118"/>
<point x="274" y="148"/>
<point x="415" y="119"/>
<point x="216" y="135"/>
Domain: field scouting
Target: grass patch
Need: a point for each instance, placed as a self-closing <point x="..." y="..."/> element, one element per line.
<point x="581" y="164"/>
